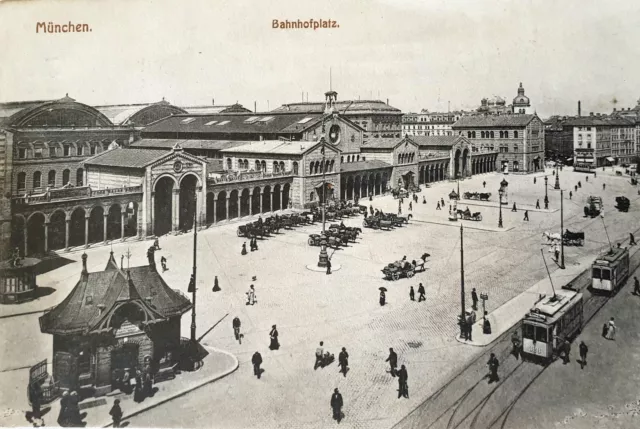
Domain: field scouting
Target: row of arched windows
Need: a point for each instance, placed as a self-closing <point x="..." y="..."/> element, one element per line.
<point x="491" y="134"/>
<point x="406" y="158"/>
<point x="54" y="150"/>
<point x="352" y="158"/>
<point x="278" y="166"/>
<point x="317" y="167"/>
<point x="37" y="180"/>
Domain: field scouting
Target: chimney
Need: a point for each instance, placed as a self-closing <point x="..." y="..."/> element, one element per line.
<point x="579" y="108"/>
<point x="590" y="113"/>
<point x="255" y="107"/>
<point x="213" y="101"/>
<point x="85" y="273"/>
<point x="614" y="109"/>
<point x="387" y="101"/>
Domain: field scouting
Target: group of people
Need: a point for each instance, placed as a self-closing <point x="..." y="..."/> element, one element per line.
<point x="421" y="293"/>
<point x="402" y="374"/>
<point x="253" y="245"/>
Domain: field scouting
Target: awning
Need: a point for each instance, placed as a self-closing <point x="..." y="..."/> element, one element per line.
<point x="610" y="159"/>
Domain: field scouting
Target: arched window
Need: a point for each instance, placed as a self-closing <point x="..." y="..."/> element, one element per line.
<point x="295" y="168"/>
<point x="229" y="164"/>
<point x="326" y="166"/>
<point x="501" y="134"/>
<point x="311" y="167"/>
<point x="275" y="166"/>
<point x="492" y="134"/>
<point x="515" y="134"/>
<point x="80" y="177"/>
<point x="483" y="134"/>
<point x="22" y="181"/>
<point x="358" y="158"/>
<point x="473" y="134"/>
<point x="93" y="149"/>
<point x="316" y="168"/>
<point x="282" y="166"/>
<point x="37" y="179"/>
<point x="349" y="158"/>
<point x="469" y="134"/>
<point x="65" y="177"/>
<point x="342" y="159"/>
<point x="257" y="165"/>
<point x="264" y="166"/>
<point x="51" y="181"/>
<point x="331" y="165"/>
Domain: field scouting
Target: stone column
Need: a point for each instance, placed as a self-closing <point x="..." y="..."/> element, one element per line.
<point x="270" y="200"/>
<point x="139" y="223"/>
<point x="215" y="209"/>
<point x="46" y="236"/>
<point x="175" y="210"/>
<point x="239" y="207"/>
<point x="227" y="207"/>
<point x="152" y="210"/>
<point x="67" y="223"/>
<point x="86" y="230"/>
<point x="260" y="201"/>
<point x="250" y="203"/>
<point x="104" y="227"/>
<point x="26" y="234"/>
<point x="123" y="215"/>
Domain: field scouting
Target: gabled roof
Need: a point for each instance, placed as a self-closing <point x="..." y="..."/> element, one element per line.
<point x="97" y="294"/>
<point x="373" y="164"/>
<point x="187" y="144"/>
<point x="351" y="106"/>
<point x="385" y="143"/>
<point x="429" y="141"/>
<point x="479" y="121"/>
<point x="122" y="114"/>
<point x="126" y="157"/>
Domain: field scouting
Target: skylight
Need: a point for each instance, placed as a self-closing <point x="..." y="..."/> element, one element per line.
<point x="223" y="123"/>
<point x="187" y="121"/>
<point x="210" y="123"/>
<point x="252" y="119"/>
<point x="305" y="120"/>
<point x="266" y="119"/>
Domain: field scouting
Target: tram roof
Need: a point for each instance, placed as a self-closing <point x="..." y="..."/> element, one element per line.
<point x="550" y="306"/>
<point x="611" y="256"/>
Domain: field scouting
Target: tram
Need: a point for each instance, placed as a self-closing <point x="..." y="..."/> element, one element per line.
<point x="551" y="321"/>
<point x="610" y="270"/>
<point x="584" y="168"/>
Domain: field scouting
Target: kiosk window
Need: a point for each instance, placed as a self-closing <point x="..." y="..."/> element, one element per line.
<point x="596" y="273"/>
<point x="528" y="331"/>
<point x="606" y="274"/>
<point x="541" y="334"/>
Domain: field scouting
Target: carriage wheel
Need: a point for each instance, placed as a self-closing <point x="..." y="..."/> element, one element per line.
<point x="410" y="274"/>
<point x="395" y="276"/>
<point x="311" y="242"/>
<point x="479" y="217"/>
<point x="240" y="234"/>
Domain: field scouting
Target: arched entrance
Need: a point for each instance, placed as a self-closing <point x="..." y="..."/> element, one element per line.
<point x="363" y="187"/>
<point x="131" y="220"/>
<point x="96" y="225"/>
<point x="255" y="201"/>
<point x="465" y="160"/>
<point x="504" y="165"/>
<point x="516" y="166"/>
<point x="385" y="179"/>
<point x="163" y="206"/>
<point x="233" y="204"/>
<point x="114" y="222"/>
<point x="266" y="199"/>
<point x="187" y="201"/>
<point x="378" y="184"/>
<point x="76" y="227"/>
<point x="276" y="198"/>
<point x="536" y="163"/>
<point x="356" y="187"/>
<point x="17" y="234"/>
<point x="221" y="206"/>
<point x="57" y="230"/>
<point x="349" y="188"/>
<point x="372" y="183"/>
<point x="35" y="234"/>
<point x="209" y="215"/>
<point x="456" y="164"/>
<point x="244" y="203"/>
<point x="408" y="180"/>
<point x="286" y="189"/>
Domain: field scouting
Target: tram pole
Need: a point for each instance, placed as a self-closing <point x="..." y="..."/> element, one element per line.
<point x="192" y="284"/>
<point x="561" y="230"/>
<point x="463" y="320"/>
<point x="606" y="232"/>
<point x="548" y="273"/>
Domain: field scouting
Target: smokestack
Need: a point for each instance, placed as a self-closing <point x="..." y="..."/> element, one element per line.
<point x="255" y="106"/>
<point x="387" y="101"/>
<point x="213" y="101"/>
<point x="579" y="108"/>
<point x="85" y="273"/>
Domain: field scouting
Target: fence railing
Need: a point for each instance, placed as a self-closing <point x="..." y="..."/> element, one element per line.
<point x="242" y="176"/>
<point x="68" y="193"/>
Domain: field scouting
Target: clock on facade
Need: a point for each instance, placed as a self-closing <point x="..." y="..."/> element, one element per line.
<point x="177" y="166"/>
<point x="334" y="134"/>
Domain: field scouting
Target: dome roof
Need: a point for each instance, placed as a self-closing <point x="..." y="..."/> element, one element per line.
<point x="521" y="99"/>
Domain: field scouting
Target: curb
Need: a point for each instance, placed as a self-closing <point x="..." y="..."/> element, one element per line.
<point x="466" y="226"/>
<point x="182" y="392"/>
<point x="26" y="313"/>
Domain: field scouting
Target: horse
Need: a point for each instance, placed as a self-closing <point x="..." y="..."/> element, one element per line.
<point x="419" y="264"/>
<point x="552" y="237"/>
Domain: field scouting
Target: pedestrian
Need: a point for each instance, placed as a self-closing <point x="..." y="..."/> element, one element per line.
<point x="236" y="329"/>
<point x="514" y="209"/>
<point x="148" y="381"/>
<point x="587" y="179"/>
<point x="371" y="210"/>
<point x="493" y="368"/>
<point x="410" y="206"/>
<point x="632" y="239"/>
<point x="73" y="408"/>
<point x="383" y="298"/>
<point x="251" y="296"/>
<point x="604" y="186"/>
<point x="328" y="266"/>
<point x="605" y="330"/>
<point x="399" y="209"/>
<point x="412" y="294"/>
<point x="251" y="247"/>
<point x="566" y="351"/>
<point x="421" y="292"/>
<point x="244" y="249"/>
<point x="156" y="244"/>
<point x="546" y="202"/>
<point x="526" y="215"/>
<point x="576" y="188"/>
<point x="556" y="252"/>
<point x="636" y="286"/>
<point x="35" y="396"/>
<point x="256" y="360"/>
<point x="515" y="340"/>
<point x="403" y="388"/>
<point x="370" y="196"/>
<point x="474" y="298"/>
<point x="319" y="356"/>
<point x="424" y="200"/>
<point x="441" y="202"/>
<point x="484" y="184"/>
<point x="438" y="206"/>
<point x="343" y="361"/>
<point x="583" y="354"/>
<point x="534" y="180"/>
<point x="116" y="414"/>
<point x="579" y="184"/>
<point x="336" y="405"/>
<point x="538" y="204"/>
<point x="393" y="362"/>
<point x="216" y="286"/>
<point x="273" y="335"/>
<point x="570" y="194"/>
<point x="163" y="262"/>
<point x="611" y="331"/>
<point x="63" y="414"/>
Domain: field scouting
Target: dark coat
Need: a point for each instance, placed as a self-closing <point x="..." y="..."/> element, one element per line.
<point x="474" y="296"/>
<point x="256" y="359"/>
<point x="343" y="358"/>
<point x="392" y="359"/>
<point x="336" y="400"/>
<point x="583" y="349"/>
<point x="402" y="375"/>
<point x="116" y="412"/>
<point x="421" y="289"/>
<point x="236" y="322"/>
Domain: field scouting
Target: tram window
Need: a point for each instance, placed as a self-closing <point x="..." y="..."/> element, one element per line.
<point x="527" y="331"/>
<point x="541" y="334"/>
<point x="596" y="273"/>
<point x="606" y="275"/>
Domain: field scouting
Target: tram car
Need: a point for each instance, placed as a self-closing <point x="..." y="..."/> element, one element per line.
<point x="610" y="270"/>
<point x="549" y="323"/>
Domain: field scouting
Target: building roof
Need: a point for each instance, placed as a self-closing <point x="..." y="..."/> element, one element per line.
<point x="595" y="121"/>
<point x="352" y="107"/>
<point x="385" y="143"/>
<point x="236" y="123"/>
<point x="122" y="114"/>
<point x="280" y="147"/>
<point x="10" y="108"/>
<point x="187" y="144"/>
<point x="480" y="121"/>
<point x="373" y="164"/>
<point x="232" y="108"/>
<point x="97" y="294"/>
<point x="125" y="157"/>
<point x="427" y="141"/>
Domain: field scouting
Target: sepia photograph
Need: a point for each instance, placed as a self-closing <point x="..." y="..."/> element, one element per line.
<point x="380" y="214"/>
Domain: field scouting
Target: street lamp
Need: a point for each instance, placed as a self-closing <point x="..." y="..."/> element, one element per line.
<point x="546" y="180"/>
<point x="557" y="184"/>
<point x="323" y="257"/>
<point x="501" y="193"/>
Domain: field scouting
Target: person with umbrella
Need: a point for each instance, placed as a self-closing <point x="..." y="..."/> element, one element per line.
<point x="383" y="297"/>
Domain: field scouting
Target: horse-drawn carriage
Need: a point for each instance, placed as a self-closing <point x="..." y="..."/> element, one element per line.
<point x="570" y="238"/>
<point x="377" y="222"/>
<point x="593" y="207"/>
<point x="404" y="268"/>
<point x="482" y="196"/>
<point x="397" y="220"/>
<point x="468" y="215"/>
<point x="453" y="195"/>
<point x="622" y="204"/>
<point x="399" y="193"/>
<point x="331" y="241"/>
<point x="351" y="232"/>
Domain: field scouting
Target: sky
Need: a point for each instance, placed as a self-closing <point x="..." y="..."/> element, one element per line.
<point x="419" y="54"/>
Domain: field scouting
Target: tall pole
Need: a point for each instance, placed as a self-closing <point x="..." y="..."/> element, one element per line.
<point x="548" y="273"/>
<point x="193" y="309"/>
<point x="561" y="230"/>
<point x="462" y="312"/>
<point x="606" y="232"/>
<point x="324" y="188"/>
<point x="557" y="184"/>
<point x="545" y="187"/>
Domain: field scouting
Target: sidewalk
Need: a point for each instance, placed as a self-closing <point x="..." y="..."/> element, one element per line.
<point x="506" y="207"/>
<point x="506" y="316"/>
<point x="468" y="224"/>
<point x="217" y="365"/>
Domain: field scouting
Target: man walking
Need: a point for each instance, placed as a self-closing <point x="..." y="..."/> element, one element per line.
<point x="273" y="336"/>
<point x="421" y="292"/>
<point x="566" y="352"/>
<point x="514" y="209"/>
<point x="534" y="180"/>
<point x="319" y="356"/>
<point x="583" y="354"/>
<point x="538" y="204"/>
<point x="328" y="266"/>
<point x="493" y="368"/>
<point x="412" y="294"/>
<point x="343" y="361"/>
<point x="515" y="340"/>
<point x="526" y="215"/>
<point x="441" y="202"/>
<point x="570" y="194"/>
<point x="604" y="186"/>
<point x="256" y="360"/>
<point x="632" y="239"/>
<point x="611" y="332"/>
<point x="410" y="206"/>
<point x="399" y="209"/>
<point x="393" y="362"/>
<point x="403" y="388"/>
<point x="236" y="329"/>
<point x="116" y="413"/>
<point x="251" y="296"/>
<point x="474" y="298"/>
<point x="484" y="184"/>
<point x="336" y="405"/>
<point x="636" y="286"/>
<point x="438" y="206"/>
<point x="556" y="252"/>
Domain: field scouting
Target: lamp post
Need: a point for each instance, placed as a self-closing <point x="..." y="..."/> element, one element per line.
<point x="463" y="318"/>
<point x="546" y="180"/>
<point x="501" y="193"/>
<point x="561" y="230"/>
<point x="557" y="184"/>
<point x="323" y="258"/>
